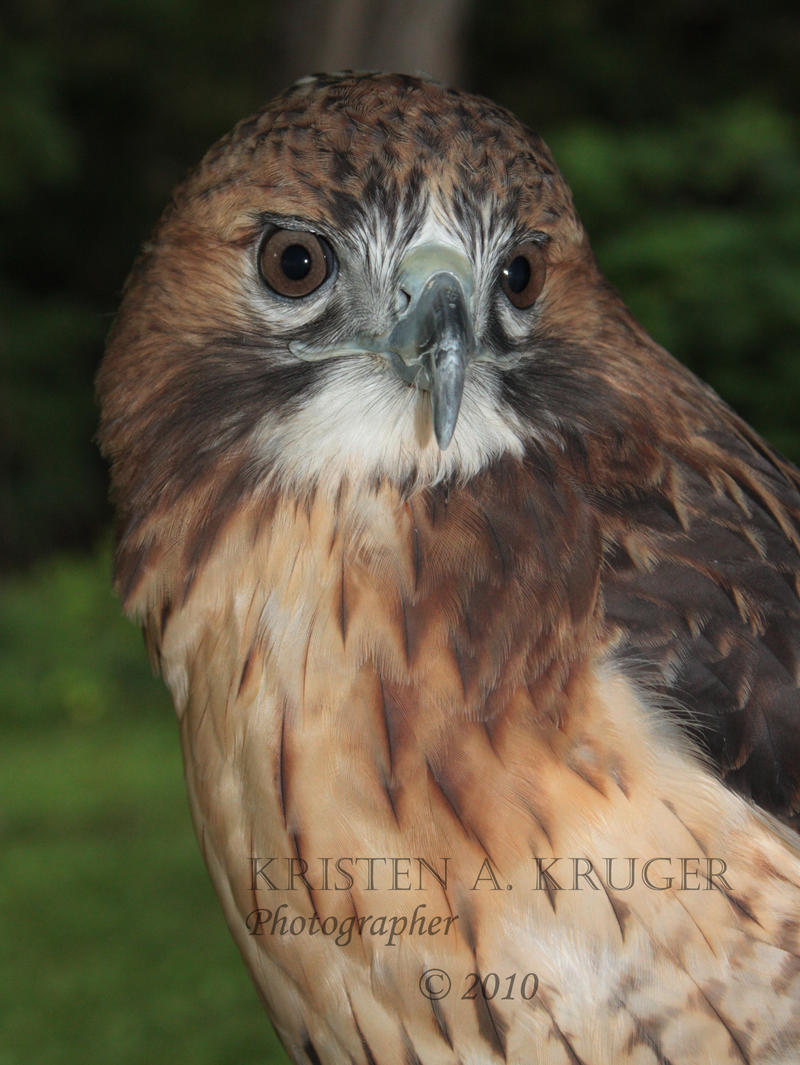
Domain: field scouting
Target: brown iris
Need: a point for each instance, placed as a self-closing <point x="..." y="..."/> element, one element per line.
<point x="523" y="273"/>
<point x="293" y="263"/>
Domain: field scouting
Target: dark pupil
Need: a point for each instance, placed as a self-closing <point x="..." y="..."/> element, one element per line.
<point x="296" y="262"/>
<point x="518" y="274"/>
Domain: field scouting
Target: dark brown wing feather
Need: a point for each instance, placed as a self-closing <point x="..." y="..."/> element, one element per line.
<point x="702" y="585"/>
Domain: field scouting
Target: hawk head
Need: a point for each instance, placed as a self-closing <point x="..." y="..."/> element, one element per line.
<point x="374" y="277"/>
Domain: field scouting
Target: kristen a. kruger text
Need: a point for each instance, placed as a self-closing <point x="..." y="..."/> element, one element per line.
<point x="658" y="873"/>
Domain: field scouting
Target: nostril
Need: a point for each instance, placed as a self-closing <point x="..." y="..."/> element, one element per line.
<point x="403" y="300"/>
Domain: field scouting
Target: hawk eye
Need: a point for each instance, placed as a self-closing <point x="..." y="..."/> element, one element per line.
<point x="293" y="263"/>
<point x="522" y="275"/>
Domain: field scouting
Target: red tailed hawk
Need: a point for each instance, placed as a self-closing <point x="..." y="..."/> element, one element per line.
<point x="480" y="613"/>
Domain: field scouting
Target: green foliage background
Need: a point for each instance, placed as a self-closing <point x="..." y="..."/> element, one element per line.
<point x="677" y="127"/>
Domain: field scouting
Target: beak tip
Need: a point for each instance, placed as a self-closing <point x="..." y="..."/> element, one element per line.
<point x="444" y="442"/>
<point x="444" y="428"/>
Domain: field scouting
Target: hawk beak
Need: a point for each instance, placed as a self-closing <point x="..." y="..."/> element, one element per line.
<point x="431" y="345"/>
<point x="447" y="359"/>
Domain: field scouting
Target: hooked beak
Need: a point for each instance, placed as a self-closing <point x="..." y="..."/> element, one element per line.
<point x="433" y="341"/>
<point x="447" y="360"/>
<point x="431" y="346"/>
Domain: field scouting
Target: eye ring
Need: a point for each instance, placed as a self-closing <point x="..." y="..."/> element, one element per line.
<point x="522" y="275"/>
<point x="294" y="263"/>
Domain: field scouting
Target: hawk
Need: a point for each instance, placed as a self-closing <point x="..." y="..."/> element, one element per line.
<point x="480" y="613"/>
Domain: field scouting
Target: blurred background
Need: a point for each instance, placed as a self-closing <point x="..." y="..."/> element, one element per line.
<point x="677" y="127"/>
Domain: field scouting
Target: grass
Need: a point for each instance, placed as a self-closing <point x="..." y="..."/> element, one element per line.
<point x="113" y="946"/>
